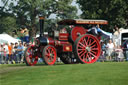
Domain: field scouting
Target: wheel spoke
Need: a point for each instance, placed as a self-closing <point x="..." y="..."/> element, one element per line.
<point x="48" y="50"/>
<point x="90" y="58"/>
<point x="88" y="40"/>
<point x="52" y="51"/>
<point x="92" y="54"/>
<point x="47" y="55"/>
<point x="86" y="57"/>
<point x="82" y="54"/>
<point x="93" y="46"/>
<point x="85" y="41"/>
<point x="81" y="49"/>
<point x="92" y="43"/>
<point x="81" y="44"/>
<point x="94" y="49"/>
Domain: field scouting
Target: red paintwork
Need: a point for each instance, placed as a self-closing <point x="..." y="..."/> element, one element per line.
<point x="60" y="43"/>
<point x="50" y="55"/>
<point x="51" y="41"/>
<point x="56" y="42"/>
<point x="30" y="56"/>
<point x="99" y="38"/>
<point x="63" y="36"/>
<point x="65" y="48"/>
<point x="94" y="46"/>
<point x="76" y="31"/>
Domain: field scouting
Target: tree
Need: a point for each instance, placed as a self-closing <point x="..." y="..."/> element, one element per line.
<point x="7" y="19"/>
<point x="8" y="24"/>
<point x="115" y="11"/>
<point x="27" y="11"/>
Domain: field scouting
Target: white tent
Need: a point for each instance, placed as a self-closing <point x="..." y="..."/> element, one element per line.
<point x="5" y="38"/>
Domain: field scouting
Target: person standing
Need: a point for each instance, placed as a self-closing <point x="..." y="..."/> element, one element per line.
<point x="7" y="53"/>
<point x="1" y="54"/>
<point x="103" y="47"/>
<point x="20" y="52"/>
<point x="16" y="52"/>
<point x="10" y="58"/>
<point x="110" y="48"/>
<point x="125" y="49"/>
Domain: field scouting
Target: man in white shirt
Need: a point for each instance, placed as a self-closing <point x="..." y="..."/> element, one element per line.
<point x="110" y="48"/>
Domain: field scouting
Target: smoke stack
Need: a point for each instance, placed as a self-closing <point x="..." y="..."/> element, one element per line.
<point x="41" y="20"/>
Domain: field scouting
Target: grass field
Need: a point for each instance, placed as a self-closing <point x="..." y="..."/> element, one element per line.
<point x="107" y="73"/>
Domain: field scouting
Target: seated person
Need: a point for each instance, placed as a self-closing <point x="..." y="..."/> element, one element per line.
<point x="95" y="30"/>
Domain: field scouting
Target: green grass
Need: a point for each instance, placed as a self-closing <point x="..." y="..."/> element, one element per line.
<point x="107" y="73"/>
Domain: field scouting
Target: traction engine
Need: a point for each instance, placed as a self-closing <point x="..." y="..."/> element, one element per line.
<point x="77" y="46"/>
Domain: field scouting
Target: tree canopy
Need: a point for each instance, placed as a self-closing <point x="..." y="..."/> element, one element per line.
<point x="115" y="11"/>
<point x="26" y="12"/>
<point x="17" y="13"/>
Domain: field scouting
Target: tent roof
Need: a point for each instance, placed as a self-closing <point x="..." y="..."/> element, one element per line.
<point x="7" y="38"/>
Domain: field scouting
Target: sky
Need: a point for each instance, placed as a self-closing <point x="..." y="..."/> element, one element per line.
<point x="53" y="15"/>
<point x="74" y="4"/>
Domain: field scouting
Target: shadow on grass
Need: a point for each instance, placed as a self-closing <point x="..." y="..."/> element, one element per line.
<point x="38" y="64"/>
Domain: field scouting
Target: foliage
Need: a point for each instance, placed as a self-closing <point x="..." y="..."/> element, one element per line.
<point x="7" y="20"/>
<point x="115" y="11"/>
<point x="8" y="24"/>
<point x="27" y="11"/>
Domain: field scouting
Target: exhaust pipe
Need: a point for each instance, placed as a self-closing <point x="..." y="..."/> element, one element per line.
<point x="41" y="21"/>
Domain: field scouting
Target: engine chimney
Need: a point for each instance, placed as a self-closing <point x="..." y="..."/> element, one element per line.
<point x="41" y="20"/>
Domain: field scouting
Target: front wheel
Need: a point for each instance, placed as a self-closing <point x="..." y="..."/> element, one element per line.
<point x="30" y="56"/>
<point x="49" y="55"/>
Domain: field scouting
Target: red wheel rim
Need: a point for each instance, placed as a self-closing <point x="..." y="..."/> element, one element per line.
<point x="30" y="58"/>
<point x="50" y="55"/>
<point x="76" y="32"/>
<point x="88" y="49"/>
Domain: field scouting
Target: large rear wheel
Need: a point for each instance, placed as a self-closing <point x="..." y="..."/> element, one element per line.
<point x="87" y="48"/>
<point x="49" y="55"/>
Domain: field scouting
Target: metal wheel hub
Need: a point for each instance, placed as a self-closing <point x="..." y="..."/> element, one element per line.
<point x="88" y="49"/>
<point x="51" y="55"/>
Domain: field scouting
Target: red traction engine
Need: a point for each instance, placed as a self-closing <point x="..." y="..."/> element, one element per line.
<point x="77" y="46"/>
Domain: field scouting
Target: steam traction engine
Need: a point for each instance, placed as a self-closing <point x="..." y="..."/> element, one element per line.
<point x="77" y="46"/>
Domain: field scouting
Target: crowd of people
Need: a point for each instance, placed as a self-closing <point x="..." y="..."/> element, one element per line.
<point x="111" y="49"/>
<point x="110" y="52"/>
<point x="12" y="52"/>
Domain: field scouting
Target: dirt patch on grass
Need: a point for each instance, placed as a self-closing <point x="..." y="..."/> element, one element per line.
<point x="10" y="69"/>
